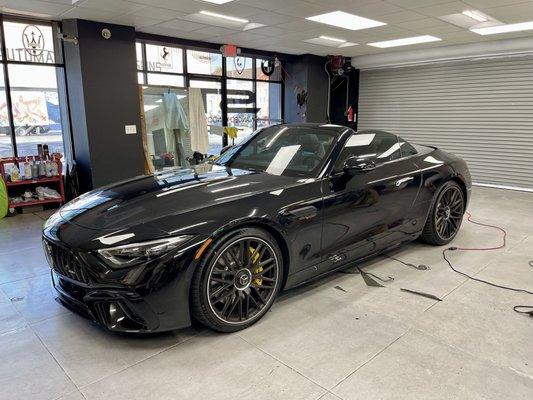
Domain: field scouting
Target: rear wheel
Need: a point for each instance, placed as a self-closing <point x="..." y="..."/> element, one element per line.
<point x="445" y="216"/>
<point x="237" y="280"/>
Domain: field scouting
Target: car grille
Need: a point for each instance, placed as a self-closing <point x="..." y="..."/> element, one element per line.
<point x="65" y="262"/>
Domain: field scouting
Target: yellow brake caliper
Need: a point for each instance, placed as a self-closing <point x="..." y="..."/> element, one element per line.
<point x="255" y="259"/>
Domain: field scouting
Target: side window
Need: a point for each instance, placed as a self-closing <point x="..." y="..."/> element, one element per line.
<point x="406" y="148"/>
<point x="377" y="146"/>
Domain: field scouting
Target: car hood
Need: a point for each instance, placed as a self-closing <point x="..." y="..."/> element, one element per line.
<point x="166" y="198"/>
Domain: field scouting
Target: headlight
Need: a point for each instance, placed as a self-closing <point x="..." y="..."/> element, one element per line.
<point x="137" y="253"/>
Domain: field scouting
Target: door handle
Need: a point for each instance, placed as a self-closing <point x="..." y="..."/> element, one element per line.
<point x="399" y="182"/>
<point x="301" y="213"/>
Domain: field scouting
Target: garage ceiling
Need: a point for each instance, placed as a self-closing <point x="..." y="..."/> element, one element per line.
<point x="281" y="25"/>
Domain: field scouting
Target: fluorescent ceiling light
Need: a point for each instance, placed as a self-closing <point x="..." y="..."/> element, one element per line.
<point x="475" y="15"/>
<point x="330" y="42"/>
<point x="332" y="39"/>
<point x="491" y="30"/>
<point x="345" y="20"/>
<point x="222" y="16"/>
<point x="253" y="25"/>
<point x="405" y="41"/>
<point x="217" y="1"/>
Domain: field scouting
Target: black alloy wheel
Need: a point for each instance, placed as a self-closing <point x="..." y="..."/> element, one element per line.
<point x="446" y="215"/>
<point x="239" y="280"/>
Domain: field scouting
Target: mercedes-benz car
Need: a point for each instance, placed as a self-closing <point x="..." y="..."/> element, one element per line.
<point x="217" y="243"/>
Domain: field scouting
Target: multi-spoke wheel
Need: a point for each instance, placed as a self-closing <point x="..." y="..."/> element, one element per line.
<point x="445" y="216"/>
<point x="237" y="280"/>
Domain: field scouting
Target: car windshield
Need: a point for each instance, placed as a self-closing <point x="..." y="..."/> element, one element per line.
<point x="283" y="150"/>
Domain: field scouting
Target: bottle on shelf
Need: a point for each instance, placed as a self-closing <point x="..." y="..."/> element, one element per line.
<point x="48" y="167"/>
<point x="15" y="174"/>
<point x="34" y="169"/>
<point x="55" y="166"/>
<point x="42" y="168"/>
<point x="27" y="169"/>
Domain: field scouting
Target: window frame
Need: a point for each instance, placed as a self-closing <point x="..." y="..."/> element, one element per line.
<point x="58" y="64"/>
<point x="223" y="78"/>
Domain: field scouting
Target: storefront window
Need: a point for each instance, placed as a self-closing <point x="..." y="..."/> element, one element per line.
<point x="6" y="148"/>
<point x="252" y="91"/>
<point x="201" y="62"/>
<point x="239" y="67"/>
<point x="164" y="59"/>
<point x="241" y="106"/>
<point x="28" y="42"/>
<point x="36" y="111"/>
<point x="268" y="103"/>
<point x="36" y="91"/>
<point x="139" y="52"/>
<point x="166" y="79"/>
<point x="212" y="97"/>
<point x="267" y="70"/>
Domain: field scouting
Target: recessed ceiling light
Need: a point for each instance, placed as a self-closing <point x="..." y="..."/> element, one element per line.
<point x="330" y="42"/>
<point x="475" y="15"/>
<point x="332" y="39"/>
<point x="253" y="25"/>
<point x="227" y="17"/>
<point x="491" y="30"/>
<point x="345" y="20"/>
<point x="217" y="1"/>
<point x="405" y="41"/>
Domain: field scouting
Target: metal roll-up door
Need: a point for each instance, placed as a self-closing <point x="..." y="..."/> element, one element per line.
<point x="481" y="110"/>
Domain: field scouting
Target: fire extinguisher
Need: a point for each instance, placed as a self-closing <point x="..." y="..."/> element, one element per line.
<point x="349" y="114"/>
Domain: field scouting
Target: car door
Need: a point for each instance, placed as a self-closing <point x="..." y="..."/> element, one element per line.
<point x="370" y="209"/>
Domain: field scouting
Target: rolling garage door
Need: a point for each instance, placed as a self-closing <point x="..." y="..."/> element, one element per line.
<point x="479" y="110"/>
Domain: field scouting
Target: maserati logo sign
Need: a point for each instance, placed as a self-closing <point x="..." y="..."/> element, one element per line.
<point x="31" y="47"/>
<point x="33" y="40"/>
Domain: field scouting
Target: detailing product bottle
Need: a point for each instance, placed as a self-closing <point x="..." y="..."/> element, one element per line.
<point x="27" y="169"/>
<point x="45" y="150"/>
<point x="55" y="166"/>
<point x="40" y="150"/>
<point x="34" y="169"/>
<point x="42" y="170"/>
<point x="15" y="174"/>
<point x="48" y="167"/>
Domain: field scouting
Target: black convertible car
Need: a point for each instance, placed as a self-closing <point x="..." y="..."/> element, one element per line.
<point x="219" y="242"/>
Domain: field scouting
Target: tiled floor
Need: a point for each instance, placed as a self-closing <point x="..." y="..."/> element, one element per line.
<point x="336" y="338"/>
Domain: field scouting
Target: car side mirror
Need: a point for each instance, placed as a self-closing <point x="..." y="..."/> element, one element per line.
<point x="354" y="165"/>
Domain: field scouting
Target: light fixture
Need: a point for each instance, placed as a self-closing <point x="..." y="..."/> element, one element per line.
<point x="332" y="39"/>
<point x="222" y="16"/>
<point x="345" y="20"/>
<point x="405" y="41"/>
<point x="475" y="15"/>
<point x="492" y="30"/>
<point x="217" y="1"/>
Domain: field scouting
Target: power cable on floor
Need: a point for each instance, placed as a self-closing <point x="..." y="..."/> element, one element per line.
<point x="420" y="267"/>
<point x="518" y="309"/>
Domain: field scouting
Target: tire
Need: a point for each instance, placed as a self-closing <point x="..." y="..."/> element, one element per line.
<point x="445" y="215"/>
<point x="237" y="280"/>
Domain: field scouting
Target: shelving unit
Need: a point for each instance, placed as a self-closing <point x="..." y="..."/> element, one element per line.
<point x="56" y="182"/>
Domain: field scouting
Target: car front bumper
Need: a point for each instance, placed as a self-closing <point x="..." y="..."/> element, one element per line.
<point x="158" y="300"/>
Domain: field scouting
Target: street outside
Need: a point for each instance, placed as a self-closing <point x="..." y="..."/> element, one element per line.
<point x="27" y="145"/>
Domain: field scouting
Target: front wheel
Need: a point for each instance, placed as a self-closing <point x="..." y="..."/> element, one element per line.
<point x="237" y="280"/>
<point x="445" y="216"/>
